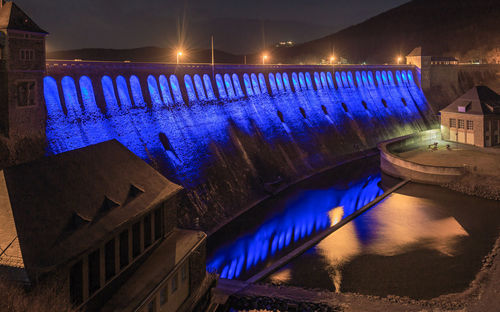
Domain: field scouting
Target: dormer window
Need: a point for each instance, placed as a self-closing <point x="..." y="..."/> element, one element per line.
<point x="462" y="108"/>
<point x="27" y="55"/>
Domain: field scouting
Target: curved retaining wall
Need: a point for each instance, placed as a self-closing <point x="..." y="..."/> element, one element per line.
<point x="398" y="167"/>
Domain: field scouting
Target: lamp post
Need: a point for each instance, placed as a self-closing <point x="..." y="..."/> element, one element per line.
<point x="332" y="59"/>
<point x="264" y="58"/>
<point x="179" y="54"/>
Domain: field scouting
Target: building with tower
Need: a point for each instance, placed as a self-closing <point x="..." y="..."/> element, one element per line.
<point x="22" y="68"/>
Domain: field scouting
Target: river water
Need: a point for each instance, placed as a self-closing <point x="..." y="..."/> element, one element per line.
<point x="421" y="241"/>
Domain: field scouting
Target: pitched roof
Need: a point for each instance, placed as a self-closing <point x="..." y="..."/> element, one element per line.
<point x="416" y="52"/>
<point x="479" y="100"/>
<point x="13" y="18"/>
<point x="65" y="204"/>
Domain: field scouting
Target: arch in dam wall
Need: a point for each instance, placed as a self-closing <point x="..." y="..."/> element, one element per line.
<point x="157" y="85"/>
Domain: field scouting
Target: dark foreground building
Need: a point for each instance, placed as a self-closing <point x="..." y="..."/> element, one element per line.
<point x="102" y="222"/>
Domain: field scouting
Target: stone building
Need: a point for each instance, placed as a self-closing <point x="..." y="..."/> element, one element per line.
<point x="22" y="67"/>
<point x="102" y="223"/>
<point x="473" y="118"/>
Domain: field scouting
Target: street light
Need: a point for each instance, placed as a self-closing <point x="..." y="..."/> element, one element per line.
<point x="264" y="58"/>
<point x="332" y="59"/>
<point x="399" y="59"/>
<point x="179" y="54"/>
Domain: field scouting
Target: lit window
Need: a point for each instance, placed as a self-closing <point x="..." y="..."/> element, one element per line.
<point x="461" y="124"/>
<point x="470" y="125"/>
<point x="174" y="283"/>
<point x="453" y="123"/>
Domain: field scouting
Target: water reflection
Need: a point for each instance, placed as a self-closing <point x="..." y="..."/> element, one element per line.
<point x="305" y="214"/>
<point x="409" y="244"/>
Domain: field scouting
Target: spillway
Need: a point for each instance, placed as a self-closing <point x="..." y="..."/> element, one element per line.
<point x="231" y="137"/>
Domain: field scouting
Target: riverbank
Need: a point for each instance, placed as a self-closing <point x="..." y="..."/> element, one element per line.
<point x="463" y="168"/>
<point x="481" y="296"/>
<point x="482" y="176"/>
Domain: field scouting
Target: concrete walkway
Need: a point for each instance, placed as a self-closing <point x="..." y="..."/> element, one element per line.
<point x="484" y="161"/>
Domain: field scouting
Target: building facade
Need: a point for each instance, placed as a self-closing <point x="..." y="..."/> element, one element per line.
<point x="103" y="224"/>
<point x="22" y="68"/>
<point x="473" y="118"/>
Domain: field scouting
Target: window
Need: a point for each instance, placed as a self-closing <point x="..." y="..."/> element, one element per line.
<point x="164" y="295"/>
<point x="109" y="256"/>
<point x="158" y="224"/>
<point x="174" y="283"/>
<point x="461" y="124"/>
<point x="184" y="272"/>
<point x="123" y="249"/>
<point x="136" y="239"/>
<point x="76" y="283"/>
<point x="94" y="272"/>
<point x="26" y="93"/>
<point x="470" y="125"/>
<point x="147" y="231"/>
<point x="152" y="305"/>
<point x="27" y="55"/>
<point x="453" y="123"/>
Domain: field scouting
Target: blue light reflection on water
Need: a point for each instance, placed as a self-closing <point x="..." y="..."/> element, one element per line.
<point x="309" y="212"/>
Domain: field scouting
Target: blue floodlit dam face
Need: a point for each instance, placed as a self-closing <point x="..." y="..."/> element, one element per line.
<point x="230" y="134"/>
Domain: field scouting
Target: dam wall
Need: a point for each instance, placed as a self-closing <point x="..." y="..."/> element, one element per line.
<point x="442" y="84"/>
<point x="232" y="134"/>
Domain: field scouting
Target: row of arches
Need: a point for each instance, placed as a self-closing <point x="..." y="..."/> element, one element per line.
<point x="121" y="93"/>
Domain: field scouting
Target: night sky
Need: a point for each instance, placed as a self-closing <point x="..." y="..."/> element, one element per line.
<point x="239" y="26"/>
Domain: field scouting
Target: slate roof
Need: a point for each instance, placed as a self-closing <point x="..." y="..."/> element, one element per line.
<point x="479" y="100"/>
<point x="66" y="204"/>
<point x="12" y="17"/>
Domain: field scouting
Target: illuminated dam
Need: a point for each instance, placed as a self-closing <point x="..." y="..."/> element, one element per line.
<point x="232" y="134"/>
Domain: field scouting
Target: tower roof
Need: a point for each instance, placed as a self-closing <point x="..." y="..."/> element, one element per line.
<point x="479" y="100"/>
<point x="13" y="18"/>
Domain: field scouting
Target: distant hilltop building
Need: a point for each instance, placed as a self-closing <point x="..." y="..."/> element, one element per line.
<point x="473" y="118"/>
<point x="285" y="44"/>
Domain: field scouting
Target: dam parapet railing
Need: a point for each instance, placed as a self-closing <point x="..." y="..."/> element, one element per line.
<point x="392" y="164"/>
<point x="161" y="84"/>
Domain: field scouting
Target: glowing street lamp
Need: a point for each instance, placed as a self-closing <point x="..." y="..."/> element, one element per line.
<point x="179" y="54"/>
<point x="332" y="59"/>
<point x="264" y="58"/>
<point x="399" y="59"/>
